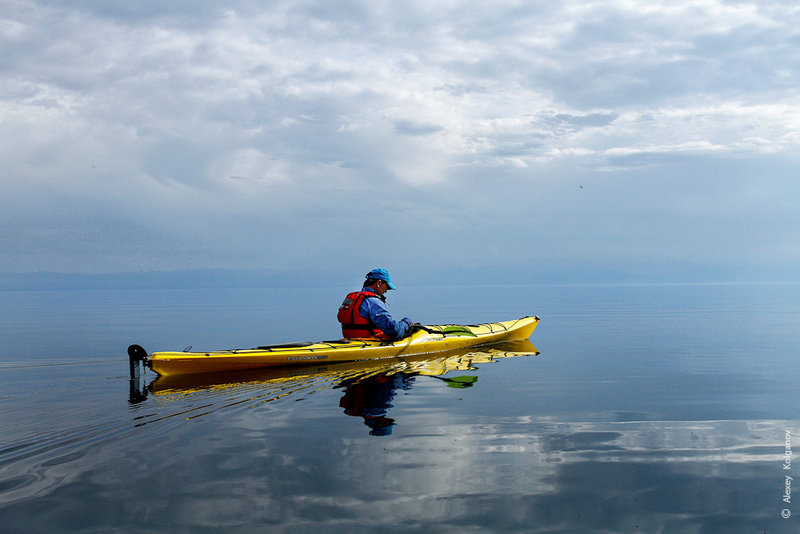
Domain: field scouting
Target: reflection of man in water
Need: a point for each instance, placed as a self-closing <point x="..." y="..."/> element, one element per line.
<point x="371" y="398"/>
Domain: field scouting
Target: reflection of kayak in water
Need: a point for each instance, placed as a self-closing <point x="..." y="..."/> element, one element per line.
<point x="368" y="387"/>
<point x="434" y="365"/>
<point x="426" y="340"/>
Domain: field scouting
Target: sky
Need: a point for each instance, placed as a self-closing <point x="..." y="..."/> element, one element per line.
<point x="525" y="140"/>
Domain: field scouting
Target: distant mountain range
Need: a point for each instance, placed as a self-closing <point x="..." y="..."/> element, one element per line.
<point x="456" y="275"/>
<point x="200" y="278"/>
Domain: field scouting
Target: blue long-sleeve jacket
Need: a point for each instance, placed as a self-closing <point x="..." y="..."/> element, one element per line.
<point x="376" y="311"/>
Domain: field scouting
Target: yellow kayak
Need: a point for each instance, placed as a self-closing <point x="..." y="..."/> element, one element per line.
<point x="288" y="378"/>
<point x="426" y="340"/>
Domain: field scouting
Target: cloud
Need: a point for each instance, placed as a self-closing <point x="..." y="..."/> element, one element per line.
<point x="300" y="107"/>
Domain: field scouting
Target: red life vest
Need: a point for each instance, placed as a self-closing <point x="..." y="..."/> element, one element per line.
<point x="355" y="325"/>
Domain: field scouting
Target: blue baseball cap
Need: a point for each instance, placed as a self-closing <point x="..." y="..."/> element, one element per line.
<point x="380" y="274"/>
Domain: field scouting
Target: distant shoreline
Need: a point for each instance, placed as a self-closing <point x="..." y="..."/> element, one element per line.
<point x="222" y="278"/>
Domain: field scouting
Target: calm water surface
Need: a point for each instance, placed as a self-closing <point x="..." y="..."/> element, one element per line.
<point x="647" y="409"/>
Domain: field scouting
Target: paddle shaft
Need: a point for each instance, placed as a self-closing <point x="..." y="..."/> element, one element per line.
<point x="442" y="333"/>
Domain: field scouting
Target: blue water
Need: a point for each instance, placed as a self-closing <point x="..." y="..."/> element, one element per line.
<point x="647" y="409"/>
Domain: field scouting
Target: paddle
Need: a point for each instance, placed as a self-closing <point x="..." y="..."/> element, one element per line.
<point x="455" y="330"/>
<point x="459" y="382"/>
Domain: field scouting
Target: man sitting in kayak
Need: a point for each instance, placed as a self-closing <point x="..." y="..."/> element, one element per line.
<point x="363" y="314"/>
